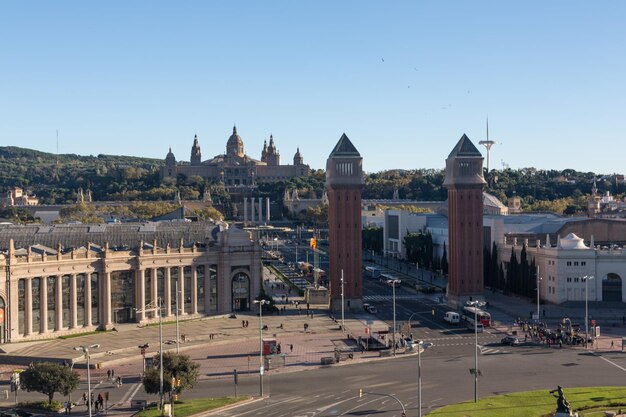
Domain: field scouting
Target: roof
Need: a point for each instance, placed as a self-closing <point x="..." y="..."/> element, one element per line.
<point x="344" y="148"/>
<point x="116" y="234"/>
<point x="464" y="147"/>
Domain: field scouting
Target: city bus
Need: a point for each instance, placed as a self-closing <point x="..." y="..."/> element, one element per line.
<point x="483" y="317"/>
<point x="372" y="272"/>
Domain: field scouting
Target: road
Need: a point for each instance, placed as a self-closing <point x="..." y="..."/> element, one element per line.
<point x="334" y="390"/>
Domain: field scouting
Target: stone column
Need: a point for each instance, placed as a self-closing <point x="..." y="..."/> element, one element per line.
<point x="58" y="322"/>
<point x="141" y="296"/>
<point x="73" y="302"/>
<point x="260" y="210"/>
<point x="245" y="210"/>
<point x="207" y="288"/>
<point x="194" y="289"/>
<point x="252" y="210"/>
<point x="168" y="293"/>
<point x="155" y="291"/>
<point x="181" y="291"/>
<point x="43" y="303"/>
<point x="107" y="299"/>
<point x="88" y="316"/>
<point x="28" y="307"/>
<point x="267" y="209"/>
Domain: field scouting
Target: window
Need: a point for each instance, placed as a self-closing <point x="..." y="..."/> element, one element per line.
<point x="569" y="279"/>
<point x="569" y="263"/>
<point x="583" y="263"/>
<point x="576" y="279"/>
<point x="575" y="263"/>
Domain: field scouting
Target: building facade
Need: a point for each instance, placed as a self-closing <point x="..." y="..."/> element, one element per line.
<point x="18" y="197"/>
<point x="75" y="288"/>
<point x="235" y="169"/>
<point x="344" y="184"/>
<point x="563" y="265"/>
<point x="464" y="181"/>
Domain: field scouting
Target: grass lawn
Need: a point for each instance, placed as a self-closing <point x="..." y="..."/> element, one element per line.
<point x="191" y="407"/>
<point x="539" y="403"/>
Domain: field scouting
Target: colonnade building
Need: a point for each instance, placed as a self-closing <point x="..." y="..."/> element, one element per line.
<point x="67" y="279"/>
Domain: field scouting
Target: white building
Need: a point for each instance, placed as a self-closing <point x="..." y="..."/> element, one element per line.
<point x="562" y="267"/>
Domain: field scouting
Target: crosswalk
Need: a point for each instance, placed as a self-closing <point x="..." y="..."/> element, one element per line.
<point x="390" y="297"/>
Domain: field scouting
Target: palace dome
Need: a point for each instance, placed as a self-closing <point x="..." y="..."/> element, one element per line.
<point x="234" y="146"/>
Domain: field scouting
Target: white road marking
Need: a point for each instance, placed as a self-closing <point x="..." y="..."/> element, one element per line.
<point x="611" y="362"/>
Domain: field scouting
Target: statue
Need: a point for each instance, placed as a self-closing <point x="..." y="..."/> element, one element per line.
<point x="562" y="405"/>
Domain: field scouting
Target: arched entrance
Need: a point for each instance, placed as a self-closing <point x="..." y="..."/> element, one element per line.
<point x="241" y="292"/>
<point x="612" y="288"/>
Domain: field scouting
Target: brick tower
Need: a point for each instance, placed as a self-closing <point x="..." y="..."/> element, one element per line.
<point x="464" y="181"/>
<point x="344" y="182"/>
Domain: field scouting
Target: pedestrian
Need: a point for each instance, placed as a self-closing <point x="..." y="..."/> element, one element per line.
<point x="112" y="373"/>
<point x="291" y="348"/>
<point x="243" y="323"/>
<point x="100" y="399"/>
<point x="247" y="324"/>
<point x="66" y="406"/>
<point x="84" y="398"/>
<point x="612" y="344"/>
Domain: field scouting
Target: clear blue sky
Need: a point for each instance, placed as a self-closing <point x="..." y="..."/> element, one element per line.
<point x="404" y="80"/>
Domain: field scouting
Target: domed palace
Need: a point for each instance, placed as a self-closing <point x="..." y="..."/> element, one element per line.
<point x="235" y="169"/>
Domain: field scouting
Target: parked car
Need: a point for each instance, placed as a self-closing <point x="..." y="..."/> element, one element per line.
<point x="372" y="310"/>
<point x="510" y="340"/>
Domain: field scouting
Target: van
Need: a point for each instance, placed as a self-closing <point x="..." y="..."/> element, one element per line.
<point x="452" y="317"/>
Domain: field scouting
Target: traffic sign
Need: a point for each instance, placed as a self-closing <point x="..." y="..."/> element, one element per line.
<point x="367" y="330"/>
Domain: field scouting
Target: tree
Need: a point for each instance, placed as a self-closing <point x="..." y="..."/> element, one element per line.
<point x="179" y="367"/>
<point x="444" y="259"/>
<point x="48" y="378"/>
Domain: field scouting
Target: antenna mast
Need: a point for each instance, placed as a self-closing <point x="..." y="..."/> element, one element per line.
<point x="487" y="143"/>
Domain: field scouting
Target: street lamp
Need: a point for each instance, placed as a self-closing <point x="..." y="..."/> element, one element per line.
<point x="420" y="346"/>
<point x="343" y="324"/>
<point x="157" y="306"/>
<point x="538" y="279"/>
<point x="476" y="304"/>
<point x="393" y="283"/>
<point x="85" y="349"/>
<point x="261" y="303"/>
<point x="587" y="278"/>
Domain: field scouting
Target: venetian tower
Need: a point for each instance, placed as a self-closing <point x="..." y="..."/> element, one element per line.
<point x="464" y="181"/>
<point x="344" y="183"/>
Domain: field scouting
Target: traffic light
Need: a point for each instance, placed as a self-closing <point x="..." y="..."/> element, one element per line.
<point x="360" y="392"/>
<point x="433" y="311"/>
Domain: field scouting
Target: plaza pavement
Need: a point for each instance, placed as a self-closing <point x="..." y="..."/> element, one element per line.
<point x="221" y="344"/>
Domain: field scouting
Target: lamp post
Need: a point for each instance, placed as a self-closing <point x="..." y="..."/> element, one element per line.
<point x="538" y="279"/>
<point x="587" y="278"/>
<point x="85" y="349"/>
<point x="476" y="304"/>
<point x="261" y="303"/>
<point x="177" y="301"/>
<point x="156" y="306"/>
<point x="393" y="287"/>
<point x="343" y="324"/>
<point x="421" y="345"/>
